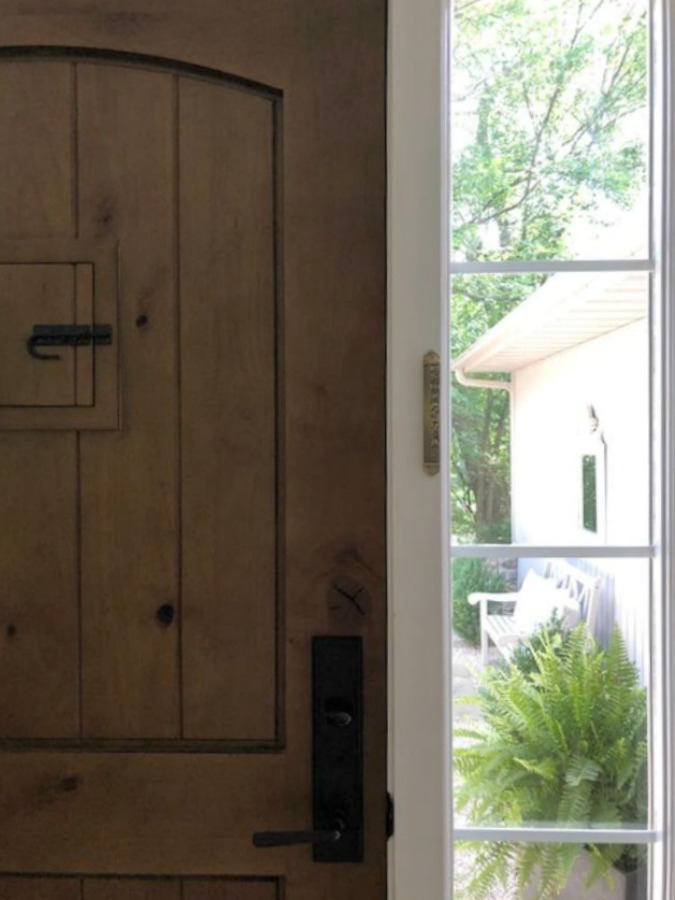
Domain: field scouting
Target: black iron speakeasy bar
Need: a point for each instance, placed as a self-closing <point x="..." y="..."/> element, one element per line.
<point x="67" y="336"/>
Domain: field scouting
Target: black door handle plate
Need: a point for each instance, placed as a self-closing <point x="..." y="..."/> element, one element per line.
<point x="337" y="726"/>
<point x="337" y="769"/>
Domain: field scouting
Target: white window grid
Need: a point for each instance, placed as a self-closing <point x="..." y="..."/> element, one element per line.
<point x="661" y="551"/>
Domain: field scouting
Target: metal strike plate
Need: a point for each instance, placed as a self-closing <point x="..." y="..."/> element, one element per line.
<point x="337" y="726"/>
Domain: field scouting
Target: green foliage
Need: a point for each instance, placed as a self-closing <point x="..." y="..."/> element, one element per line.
<point x="469" y="576"/>
<point x="565" y="744"/>
<point x="542" y="90"/>
<point x="553" y="633"/>
<point x="547" y="136"/>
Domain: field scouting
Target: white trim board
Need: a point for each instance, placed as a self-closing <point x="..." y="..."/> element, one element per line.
<point x="420" y="852"/>
<point x="418" y="216"/>
<point x="525" y="267"/>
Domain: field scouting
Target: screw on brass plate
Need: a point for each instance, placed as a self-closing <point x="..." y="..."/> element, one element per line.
<point x="141" y="321"/>
<point x="165" y="614"/>
<point x="345" y="594"/>
<point x="10" y="630"/>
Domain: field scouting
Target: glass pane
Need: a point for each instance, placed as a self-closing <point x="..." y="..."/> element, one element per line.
<point x="560" y="453"/>
<point x="589" y="484"/>
<point x="549" y="129"/>
<point x="510" y="871"/>
<point x="551" y="666"/>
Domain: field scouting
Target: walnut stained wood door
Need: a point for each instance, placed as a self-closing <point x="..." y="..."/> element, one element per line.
<point x="184" y="509"/>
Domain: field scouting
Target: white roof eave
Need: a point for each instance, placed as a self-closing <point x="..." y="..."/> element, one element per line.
<point x="569" y="309"/>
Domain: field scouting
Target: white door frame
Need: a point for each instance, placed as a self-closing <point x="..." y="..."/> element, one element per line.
<point x="419" y="757"/>
<point x="419" y="630"/>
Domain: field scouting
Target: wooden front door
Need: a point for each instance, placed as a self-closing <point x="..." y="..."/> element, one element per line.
<point x="186" y="506"/>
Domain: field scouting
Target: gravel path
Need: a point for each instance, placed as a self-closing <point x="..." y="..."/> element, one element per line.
<point x="466" y="661"/>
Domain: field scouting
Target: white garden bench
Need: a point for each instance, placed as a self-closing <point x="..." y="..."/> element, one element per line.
<point x="563" y="588"/>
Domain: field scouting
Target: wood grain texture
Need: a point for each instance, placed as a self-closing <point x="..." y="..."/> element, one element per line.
<point x="229" y="890"/>
<point x="38" y="263"/>
<point x="335" y="381"/>
<point x="36" y="187"/>
<point x="39" y="888"/>
<point x="146" y="814"/>
<point x="250" y="39"/>
<point x="35" y="295"/>
<point x="129" y="479"/>
<point x="228" y="421"/>
<point x="130" y="889"/>
<point x="84" y="315"/>
<point x="39" y="694"/>
<point x="168" y="813"/>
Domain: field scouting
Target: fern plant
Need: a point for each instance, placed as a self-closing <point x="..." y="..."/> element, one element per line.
<point x="554" y="632"/>
<point x="565" y="744"/>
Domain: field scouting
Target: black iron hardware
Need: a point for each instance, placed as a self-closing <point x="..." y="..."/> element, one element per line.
<point x="338" y="718"/>
<point x="337" y="770"/>
<point x="289" y="838"/>
<point x="67" y="336"/>
<point x="390" y="816"/>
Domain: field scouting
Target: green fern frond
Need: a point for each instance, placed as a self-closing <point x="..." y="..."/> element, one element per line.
<point x="565" y="742"/>
<point x="582" y="769"/>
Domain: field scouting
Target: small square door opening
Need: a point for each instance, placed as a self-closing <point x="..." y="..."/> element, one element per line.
<point x="57" y="297"/>
<point x="32" y="294"/>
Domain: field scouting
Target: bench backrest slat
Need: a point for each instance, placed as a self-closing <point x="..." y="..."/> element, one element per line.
<point x="584" y="587"/>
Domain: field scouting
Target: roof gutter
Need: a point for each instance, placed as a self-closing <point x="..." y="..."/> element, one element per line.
<point x="467" y="381"/>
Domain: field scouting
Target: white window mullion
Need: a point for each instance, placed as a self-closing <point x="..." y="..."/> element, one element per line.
<point x="663" y="627"/>
<point x="557" y="835"/>
<point x="542" y="551"/>
<point x="554" y="266"/>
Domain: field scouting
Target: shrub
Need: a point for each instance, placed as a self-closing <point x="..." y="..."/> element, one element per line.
<point x="563" y="744"/>
<point x="469" y="576"/>
<point x="524" y="656"/>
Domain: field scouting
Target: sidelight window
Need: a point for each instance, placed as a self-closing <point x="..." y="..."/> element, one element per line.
<point x="561" y="315"/>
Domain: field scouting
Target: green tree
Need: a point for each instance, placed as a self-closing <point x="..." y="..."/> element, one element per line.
<point x="549" y="134"/>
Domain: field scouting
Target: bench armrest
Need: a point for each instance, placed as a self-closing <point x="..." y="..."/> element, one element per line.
<point x="503" y="597"/>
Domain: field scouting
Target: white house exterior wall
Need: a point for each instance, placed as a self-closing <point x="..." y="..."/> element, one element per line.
<point x="549" y="425"/>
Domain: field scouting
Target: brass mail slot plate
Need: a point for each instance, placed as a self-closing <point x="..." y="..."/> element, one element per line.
<point x="432" y="413"/>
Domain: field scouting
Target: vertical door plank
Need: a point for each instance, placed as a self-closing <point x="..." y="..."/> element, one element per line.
<point x="40" y="888"/>
<point x="36" y="183"/>
<point x="35" y="295"/>
<point x="129" y="478"/>
<point x="38" y="612"/>
<point x="228" y="419"/>
<point x="130" y="889"/>
<point x="84" y="315"/>
<point x="230" y="890"/>
<point x="39" y="695"/>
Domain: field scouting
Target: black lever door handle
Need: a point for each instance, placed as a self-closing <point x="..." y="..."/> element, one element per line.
<point x="289" y="838"/>
<point x="337" y="756"/>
